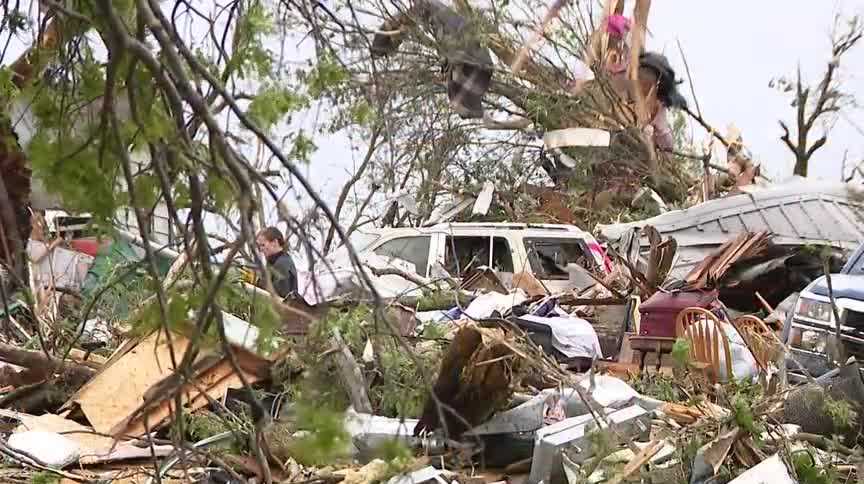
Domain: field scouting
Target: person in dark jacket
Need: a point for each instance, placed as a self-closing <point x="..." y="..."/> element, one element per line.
<point x="271" y="243"/>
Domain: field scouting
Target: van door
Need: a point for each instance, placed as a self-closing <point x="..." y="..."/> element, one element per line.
<point x="463" y="253"/>
<point x="550" y="256"/>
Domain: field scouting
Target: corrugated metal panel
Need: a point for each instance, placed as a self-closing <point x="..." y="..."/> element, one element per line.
<point x="797" y="213"/>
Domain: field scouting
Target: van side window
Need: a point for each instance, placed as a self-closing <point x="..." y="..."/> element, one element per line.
<point x="549" y="257"/>
<point x="473" y="252"/>
<point x="414" y="250"/>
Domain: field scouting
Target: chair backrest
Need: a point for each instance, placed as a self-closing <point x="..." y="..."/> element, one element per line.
<point x="707" y="342"/>
<point x="759" y="338"/>
<point x="704" y="332"/>
<point x="689" y="316"/>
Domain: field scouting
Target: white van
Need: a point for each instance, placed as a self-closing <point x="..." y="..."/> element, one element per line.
<point x="544" y="250"/>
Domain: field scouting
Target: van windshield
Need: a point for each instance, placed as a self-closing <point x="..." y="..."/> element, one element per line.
<point x="360" y="240"/>
<point x="549" y="257"/>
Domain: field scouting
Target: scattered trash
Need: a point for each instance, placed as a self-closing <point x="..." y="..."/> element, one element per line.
<point x="576" y="137"/>
<point x="770" y="471"/>
<point x="48" y="448"/>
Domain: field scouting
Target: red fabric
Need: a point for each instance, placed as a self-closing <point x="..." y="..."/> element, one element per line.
<point x="85" y="246"/>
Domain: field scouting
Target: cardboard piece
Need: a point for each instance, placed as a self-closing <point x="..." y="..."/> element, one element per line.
<point x="113" y="394"/>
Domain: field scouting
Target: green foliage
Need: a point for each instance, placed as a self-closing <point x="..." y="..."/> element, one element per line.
<point x="742" y="409"/>
<point x="327" y="75"/>
<point x="272" y="103"/>
<point x="681" y="353"/>
<point x="249" y="55"/>
<point x="122" y="281"/>
<point x="398" y="456"/>
<point x="203" y="424"/>
<point x="842" y="413"/>
<point x="326" y="439"/>
<point x="434" y="331"/>
<point x="659" y="386"/>
<point x="432" y="300"/>
<point x="396" y="387"/>
<point x="807" y="470"/>
<point x="402" y="392"/>
<point x="73" y="168"/>
<point x="362" y="113"/>
<point x="303" y="147"/>
<point x="44" y="477"/>
<point x="7" y="88"/>
<point x="147" y="190"/>
<point x="349" y="322"/>
<point x="220" y="192"/>
<point x="258" y="311"/>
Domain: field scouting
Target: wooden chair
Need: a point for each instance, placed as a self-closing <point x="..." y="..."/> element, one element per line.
<point x="704" y="332"/>
<point x="759" y="338"/>
<point x="690" y="316"/>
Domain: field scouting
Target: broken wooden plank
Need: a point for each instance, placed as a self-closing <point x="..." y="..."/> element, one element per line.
<point x="127" y="379"/>
<point x="211" y="383"/>
<point x="638" y="461"/>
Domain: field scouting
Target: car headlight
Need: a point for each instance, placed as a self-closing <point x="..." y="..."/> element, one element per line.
<point x="817" y="310"/>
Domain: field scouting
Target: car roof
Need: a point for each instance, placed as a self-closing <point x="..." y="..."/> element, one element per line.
<point x="544" y="230"/>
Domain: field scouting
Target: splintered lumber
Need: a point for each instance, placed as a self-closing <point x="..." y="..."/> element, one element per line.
<point x="638" y="461"/>
<point x="126" y="379"/>
<point x="212" y="377"/>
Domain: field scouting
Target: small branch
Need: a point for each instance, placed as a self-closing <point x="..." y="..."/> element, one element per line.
<point x="346" y="189"/>
<point x="34" y="359"/>
<point x="392" y="271"/>
<point x="786" y="138"/>
<point x="689" y="78"/>
<point x="352" y="375"/>
<point x="818" y="144"/>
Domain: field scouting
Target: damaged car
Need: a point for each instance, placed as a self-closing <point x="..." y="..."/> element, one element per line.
<point x="810" y="328"/>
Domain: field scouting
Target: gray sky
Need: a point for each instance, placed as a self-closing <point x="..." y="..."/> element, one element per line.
<point x="735" y="47"/>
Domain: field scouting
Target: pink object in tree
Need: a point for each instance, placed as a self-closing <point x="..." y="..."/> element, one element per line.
<point x="617" y="26"/>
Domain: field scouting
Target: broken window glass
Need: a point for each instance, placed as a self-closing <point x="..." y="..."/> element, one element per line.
<point x="473" y="252"/>
<point x="414" y="250"/>
<point x="549" y="257"/>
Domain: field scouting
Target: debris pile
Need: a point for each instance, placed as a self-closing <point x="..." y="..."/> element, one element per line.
<point x="715" y="343"/>
<point x="478" y="374"/>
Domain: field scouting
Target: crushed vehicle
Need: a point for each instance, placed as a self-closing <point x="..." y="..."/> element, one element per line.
<point x="555" y="254"/>
<point x="809" y="328"/>
<point x="543" y="250"/>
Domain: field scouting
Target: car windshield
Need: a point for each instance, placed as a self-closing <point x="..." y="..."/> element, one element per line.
<point x="360" y="240"/>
